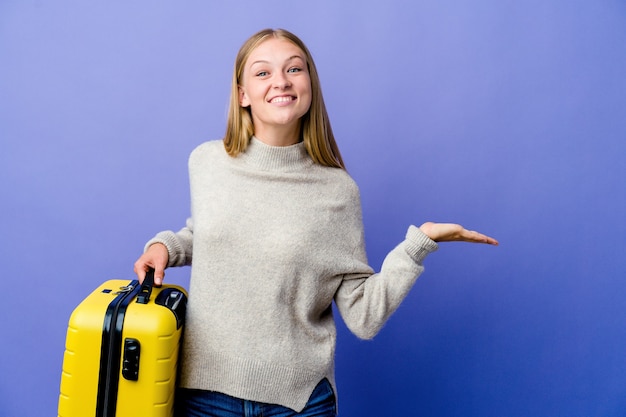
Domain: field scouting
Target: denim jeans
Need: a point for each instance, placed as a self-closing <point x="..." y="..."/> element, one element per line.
<point x="199" y="403"/>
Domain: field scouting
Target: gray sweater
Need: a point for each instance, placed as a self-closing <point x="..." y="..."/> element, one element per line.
<point x="274" y="239"/>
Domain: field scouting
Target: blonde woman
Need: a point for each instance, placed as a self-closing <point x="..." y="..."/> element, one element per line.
<point x="275" y="235"/>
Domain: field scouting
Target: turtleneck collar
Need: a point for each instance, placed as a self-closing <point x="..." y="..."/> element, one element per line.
<point x="265" y="157"/>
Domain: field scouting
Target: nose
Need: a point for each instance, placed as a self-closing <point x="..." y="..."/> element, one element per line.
<point x="281" y="81"/>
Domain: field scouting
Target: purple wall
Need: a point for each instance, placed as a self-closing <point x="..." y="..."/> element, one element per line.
<point x="508" y="117"/>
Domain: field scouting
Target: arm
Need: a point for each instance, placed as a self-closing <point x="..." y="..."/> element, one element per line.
<point x="366" y="301"/>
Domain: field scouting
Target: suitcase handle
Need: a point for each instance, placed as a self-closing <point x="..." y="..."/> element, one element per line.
<point x="146" y="288"/>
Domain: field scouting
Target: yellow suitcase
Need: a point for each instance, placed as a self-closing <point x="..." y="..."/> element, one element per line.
<point x="121" y="351"/>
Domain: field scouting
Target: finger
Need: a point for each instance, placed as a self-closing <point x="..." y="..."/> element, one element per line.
<point x="491" y="241"/>
<point x="159" y="274"/>
<point x="481" y="238"/>
<point x="140" y="269"/>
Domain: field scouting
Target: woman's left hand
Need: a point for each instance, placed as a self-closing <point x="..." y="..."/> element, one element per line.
<point x="449" y="232"/>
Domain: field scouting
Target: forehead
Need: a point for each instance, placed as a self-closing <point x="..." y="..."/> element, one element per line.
<point x="275" y="49"/>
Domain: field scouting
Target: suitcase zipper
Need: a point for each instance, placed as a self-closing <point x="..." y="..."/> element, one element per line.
<point x="110" y="353"/>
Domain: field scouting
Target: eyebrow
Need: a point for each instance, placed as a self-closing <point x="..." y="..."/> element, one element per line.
<point x="291" y="58"/>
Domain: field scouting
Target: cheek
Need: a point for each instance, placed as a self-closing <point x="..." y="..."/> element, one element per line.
<point x="309" y="98"/>
<point x="307" y="90"/>
<point x="308" y="102"/>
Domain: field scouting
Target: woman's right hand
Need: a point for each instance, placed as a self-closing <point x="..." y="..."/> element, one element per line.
<point x="156" y="257"/>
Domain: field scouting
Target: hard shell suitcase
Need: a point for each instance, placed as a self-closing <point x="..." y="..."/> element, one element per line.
<point x="121" y="351"/>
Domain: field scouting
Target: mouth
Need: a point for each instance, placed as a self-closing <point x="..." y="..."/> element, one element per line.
<point x="282" y="99"/>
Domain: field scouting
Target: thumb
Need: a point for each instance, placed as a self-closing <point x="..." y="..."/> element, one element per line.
<point x="159" y="274"/>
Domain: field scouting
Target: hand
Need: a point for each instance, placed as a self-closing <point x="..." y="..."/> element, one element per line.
<point x="155" y="257"/>
<point x="449" y="232"/>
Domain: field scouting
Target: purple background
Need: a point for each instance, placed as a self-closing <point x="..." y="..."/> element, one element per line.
<point x="508" y="117"/>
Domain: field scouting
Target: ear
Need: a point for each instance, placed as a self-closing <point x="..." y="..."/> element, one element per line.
<point x="243" y="98"/>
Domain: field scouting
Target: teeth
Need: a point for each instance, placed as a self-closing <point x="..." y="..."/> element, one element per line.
<point x="281" y="99"/>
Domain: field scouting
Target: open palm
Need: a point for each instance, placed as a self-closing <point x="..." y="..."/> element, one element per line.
<point x="450" y="232"/>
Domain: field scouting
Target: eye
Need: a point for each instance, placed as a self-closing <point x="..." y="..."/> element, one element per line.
<point x="294" y="69"/>
<point x="262" y="74"/>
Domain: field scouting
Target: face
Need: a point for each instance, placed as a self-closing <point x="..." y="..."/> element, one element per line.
<point x="277" y="87"/>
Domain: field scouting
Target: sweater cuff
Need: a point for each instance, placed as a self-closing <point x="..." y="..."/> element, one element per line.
<point x="418" y="244"/>
<point x="172" y="244"/>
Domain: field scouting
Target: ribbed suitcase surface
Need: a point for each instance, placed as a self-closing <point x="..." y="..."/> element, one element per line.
<point x="121" y="351"/>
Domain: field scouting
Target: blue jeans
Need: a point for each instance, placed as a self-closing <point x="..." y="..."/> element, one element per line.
<point x="199" y="403"/>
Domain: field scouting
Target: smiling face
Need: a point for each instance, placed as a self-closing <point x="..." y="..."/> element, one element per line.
<point x="276" y="86"/>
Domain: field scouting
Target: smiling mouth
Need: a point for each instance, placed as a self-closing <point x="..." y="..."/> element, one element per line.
<point x="282" y="99"/>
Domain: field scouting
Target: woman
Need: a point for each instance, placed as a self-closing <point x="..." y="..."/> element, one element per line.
<point x="276" y="235"/>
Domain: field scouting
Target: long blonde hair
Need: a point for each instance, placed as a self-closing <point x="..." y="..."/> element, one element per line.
<point x="315" y="127"/>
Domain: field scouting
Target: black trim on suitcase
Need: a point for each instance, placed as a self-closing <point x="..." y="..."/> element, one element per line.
<point x="110" y="351"/>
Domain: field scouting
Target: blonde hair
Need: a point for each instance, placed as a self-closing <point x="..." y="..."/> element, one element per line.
<point x="315" y="128"/>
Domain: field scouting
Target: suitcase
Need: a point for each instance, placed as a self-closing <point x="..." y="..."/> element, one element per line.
<point x="121" y="351"/>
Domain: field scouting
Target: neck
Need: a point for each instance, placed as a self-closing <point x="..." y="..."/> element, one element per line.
<point x="279" y="136"/>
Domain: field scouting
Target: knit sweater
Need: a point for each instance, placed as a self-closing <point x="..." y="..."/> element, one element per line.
<point x="273" y="239"/>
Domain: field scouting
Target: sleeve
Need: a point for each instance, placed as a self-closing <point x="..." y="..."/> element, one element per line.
<point x="366" y="300"/>
<point x="179" y="244"/>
